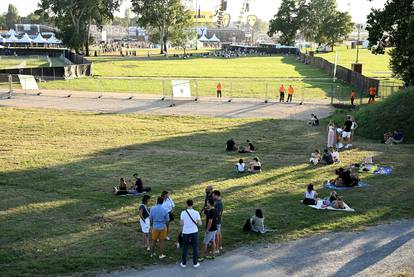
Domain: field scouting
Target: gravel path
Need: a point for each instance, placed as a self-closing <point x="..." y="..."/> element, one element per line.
<point x="383" y="250"/>
<point x="146" y="104"/>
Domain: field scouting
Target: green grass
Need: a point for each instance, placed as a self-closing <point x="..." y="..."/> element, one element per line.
<point x="372" y="65"/>
<point x="29" y="62"/>
<point x="57" y="168"/>
<point x="240" y="77"/>
<point x="394" y="112"/>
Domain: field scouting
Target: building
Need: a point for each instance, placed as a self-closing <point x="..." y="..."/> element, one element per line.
<point x="33" y="29"/>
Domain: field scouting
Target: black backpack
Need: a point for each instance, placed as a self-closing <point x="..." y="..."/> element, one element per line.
<point x="247" y="226"/>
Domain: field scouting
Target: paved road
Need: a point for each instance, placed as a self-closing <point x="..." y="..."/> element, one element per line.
<point x="378" y="251"/>
<point x="146" y="104"/>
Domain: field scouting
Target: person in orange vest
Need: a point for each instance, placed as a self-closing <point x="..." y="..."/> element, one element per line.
<point x="290" y="93"/>
<point x="372" y="93"/>
<point x="219" y="90"/>
<point x="353" y="97"/>
<point x="282" y="91"/>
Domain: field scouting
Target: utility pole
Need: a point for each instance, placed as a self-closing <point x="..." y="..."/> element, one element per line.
<point x="359" y="27"/>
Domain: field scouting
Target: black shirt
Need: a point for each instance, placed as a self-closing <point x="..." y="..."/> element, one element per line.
<point x="346" y="177"/>
<point x="139" y="185"/>
<point x="348" y="125"/>
<point x="230" y="145"/>
<point x="212" y="214"/>
<point x="251" y="146"/>
<point x="144" y="209"/>
<point x="327" y="157"/>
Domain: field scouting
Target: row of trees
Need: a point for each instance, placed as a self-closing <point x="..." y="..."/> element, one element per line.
<point x="316" y="20"/>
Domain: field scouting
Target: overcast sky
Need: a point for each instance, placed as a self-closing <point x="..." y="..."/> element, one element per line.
<point x="265" y="9"/>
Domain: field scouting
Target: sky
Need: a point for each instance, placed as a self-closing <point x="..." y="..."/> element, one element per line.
<point x="265" y="9"/>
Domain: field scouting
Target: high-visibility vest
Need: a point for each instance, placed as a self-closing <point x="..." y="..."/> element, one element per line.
<point x="282" y="89"/>
<point x="291" y="90"/>
<point x="219" y="86"/>
<point x="372" y="91"/>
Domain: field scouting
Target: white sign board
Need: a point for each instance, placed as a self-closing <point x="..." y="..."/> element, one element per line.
<point x="28" y="82"/>
<point x="181" y="88"/>
<point x="103" y="36"/>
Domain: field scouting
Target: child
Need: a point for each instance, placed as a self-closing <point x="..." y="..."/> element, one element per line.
<point x="315" y="157"/>
<point x="335" y="155"/>
<point x="240" y="166"/>
<point x="353" y="97"/>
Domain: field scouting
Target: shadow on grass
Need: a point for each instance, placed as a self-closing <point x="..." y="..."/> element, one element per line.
<point x="91" y="229"/>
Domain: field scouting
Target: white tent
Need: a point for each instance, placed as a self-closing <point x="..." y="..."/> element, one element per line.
<point x="25" y="39"/>
<point x="53" y="40"/>
<point x="214" y="39"/>
<point x="203" y="38"/>
<point x="11" y="32"/>
<point x="12" y="39"/>
<point x="2" y="40"/>
<point x="39" y="39"/>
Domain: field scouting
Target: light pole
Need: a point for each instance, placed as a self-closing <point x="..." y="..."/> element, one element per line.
<point x="359" y="27"/>
<point x="196" y="15"/>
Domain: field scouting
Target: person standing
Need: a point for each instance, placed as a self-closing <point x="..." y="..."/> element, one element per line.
<point x="353" y="97"/>
<point x="169" y="205"/>
<point x="218" y="87"/>
<point x="211" y="229"/>
<point x="218" y="205"/>
<point x="331" y="135"/>
<point x="282" y="91"/>
<point x="144" y="220"/>
<point x="190" y="220"/>
<point x="347" y="131"/>
<point x="159" y="218"/>
<point x="209" y="195"/>
<point x="290" y="93"/>
<point x="372" y="93"/>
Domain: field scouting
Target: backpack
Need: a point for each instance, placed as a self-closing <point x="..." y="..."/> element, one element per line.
<point x="247" y="226"/>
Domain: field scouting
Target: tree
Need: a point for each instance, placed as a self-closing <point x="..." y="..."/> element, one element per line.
<point x="288" y="20"/>
<point x="163" y="16"/>
<point x="3" y="24"/>
<point x="12" y="16"/>
<point x="393" y="27"/>
<point x="74" y="17"/>
<point x="325" y="24"/>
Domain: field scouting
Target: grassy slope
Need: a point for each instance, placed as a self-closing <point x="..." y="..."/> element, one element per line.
<point x="58" y="216"/>
<point x="250" y="76"/>
<point x="395" y="112"/>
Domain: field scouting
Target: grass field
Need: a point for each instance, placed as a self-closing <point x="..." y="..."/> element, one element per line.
<point x="372" y="65"/>
<point x="240" y="77"/>
<point x="58" y="216"/>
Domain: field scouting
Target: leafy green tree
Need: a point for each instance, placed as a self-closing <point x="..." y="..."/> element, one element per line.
<point x="164" y="16"/>
<point x="3" y="24"/>
<point x="12" y="16"/>
<point x="74" y="17"/>
<point x="393" y="26"/>
<point x="325" y="24"/>
<point x="288" y="20"/>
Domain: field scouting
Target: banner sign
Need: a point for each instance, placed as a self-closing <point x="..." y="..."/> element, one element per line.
<point x="181" y="88"/>
<point x="28" y="82"/>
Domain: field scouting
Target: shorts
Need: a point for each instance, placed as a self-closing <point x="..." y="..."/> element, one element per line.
<point x="346" y="134"/>
<point x="210" y="236"/>
<point x="218" y="229"/>
<point x="145" y="225"/>
<point x="159" y="234"/>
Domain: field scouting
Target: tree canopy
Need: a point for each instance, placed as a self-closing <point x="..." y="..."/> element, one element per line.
<point x="393" y="26"/>
<point x="165" y="17"/>
<point x="74" y="17"/>
<point x="12" y="16"/>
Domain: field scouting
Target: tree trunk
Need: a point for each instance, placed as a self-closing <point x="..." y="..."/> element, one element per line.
<point x="162" y="40"/>
<point x="87" y="38"/>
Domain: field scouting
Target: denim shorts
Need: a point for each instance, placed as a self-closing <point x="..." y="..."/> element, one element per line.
<point x="210" y="236"/>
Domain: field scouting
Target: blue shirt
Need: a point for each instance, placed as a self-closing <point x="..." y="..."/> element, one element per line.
<point x="159" y="217"/>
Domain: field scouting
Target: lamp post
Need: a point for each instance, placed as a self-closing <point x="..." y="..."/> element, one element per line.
<point x="357" y="67"/>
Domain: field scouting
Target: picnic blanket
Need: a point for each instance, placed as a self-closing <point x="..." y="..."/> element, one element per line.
<point x="320" y="206"/>
<point x="383" y="170"/>
<point x="328" y="185"/>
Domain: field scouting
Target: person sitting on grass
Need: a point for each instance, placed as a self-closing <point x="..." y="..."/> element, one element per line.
<point x="315" y="157"/>
<point x="139" y="185"/>
<point x="257" y="222"/>
<point x="329" y="200"/>
<point x="338" y="203"/>
<point x="231" y="145"/>
<point x="314" y="121"/>
<point x="335" y="155"/>
<point x="345" y="178"/>
<point x="394" y="137"/>
<point x="247" y="149"/>
<point x="240" y="167"/>
<point x="255" y="165"/>
<point x="311" y="197"/>
<point x="327" y="157"/>
<point x="122" y="188"/>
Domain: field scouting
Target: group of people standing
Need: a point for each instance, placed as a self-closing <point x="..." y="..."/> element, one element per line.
<point x="282" y="92"/>
<point x="158" y="218"/>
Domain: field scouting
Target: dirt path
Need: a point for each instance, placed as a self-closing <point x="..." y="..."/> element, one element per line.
<point x="383" y="250"/>
<point x="145" y="104"/>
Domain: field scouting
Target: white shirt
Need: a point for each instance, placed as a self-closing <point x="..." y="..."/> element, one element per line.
<point x="168" y="204"/>
<point x="335" y="155"/>
<point x="240" y="167"/>
<point x="310" y="195"/>
<point x="188" y="225"/>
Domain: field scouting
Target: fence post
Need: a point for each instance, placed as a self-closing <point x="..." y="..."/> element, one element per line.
<point x="10" y="85"/>
<point x="332" y="93"/>
<point x="196" y="84"/>
<point x="163" y="90"/>
<point x="266" y="92"/>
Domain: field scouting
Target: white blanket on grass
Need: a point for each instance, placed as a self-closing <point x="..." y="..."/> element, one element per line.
<point x="319" y="206"/>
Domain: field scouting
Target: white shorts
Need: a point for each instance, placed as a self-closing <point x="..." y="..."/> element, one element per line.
<point x="145" y="225"/>
<point x="313" y="161"/>
<point x="346" y="134"/>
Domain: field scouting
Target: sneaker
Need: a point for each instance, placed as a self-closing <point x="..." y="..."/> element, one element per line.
<point x="148" y="249"/>
<point x="217" y="252"/>
<point x="167" y="238"/>
<point x="183" y="265"/>
<point x="162" y="256"/>
<point x="152" y="255"/>
<point x="221" y="247"/>
<point x="196" y="265"/>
